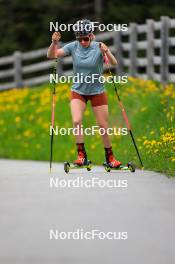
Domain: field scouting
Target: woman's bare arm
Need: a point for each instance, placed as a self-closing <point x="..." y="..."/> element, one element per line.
<point x="53" y="50"/>
<point x="111" y="58"/>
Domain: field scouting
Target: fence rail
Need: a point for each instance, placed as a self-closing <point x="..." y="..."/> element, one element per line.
<point x="148" y="52"/>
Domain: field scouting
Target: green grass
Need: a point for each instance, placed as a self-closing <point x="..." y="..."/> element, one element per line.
<point x="25" y="119"/>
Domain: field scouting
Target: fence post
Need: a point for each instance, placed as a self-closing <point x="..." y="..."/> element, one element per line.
<point x="165" y="25"/>
<point x="60" y="67"/>
<point x="118" y="52"/>
<point x="18" y="69"/>
<point x="133" y="51"/>
<point x="150" y="49"/>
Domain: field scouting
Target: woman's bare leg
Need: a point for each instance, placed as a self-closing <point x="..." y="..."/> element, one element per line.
<point x="77" y="109"/>
<point x="101" y="114"/>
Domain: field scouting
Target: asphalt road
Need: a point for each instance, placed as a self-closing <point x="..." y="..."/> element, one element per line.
<point x="144" y="208"/>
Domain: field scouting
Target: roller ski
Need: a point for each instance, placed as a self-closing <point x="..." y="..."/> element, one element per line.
<point x="112" y="164"/>
<point x="128" y="167"/>
<point x="81" y="163"/>
<point x="68" y="166"/>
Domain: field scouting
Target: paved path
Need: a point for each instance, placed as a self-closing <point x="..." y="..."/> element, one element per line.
<point x="29" y="209"/>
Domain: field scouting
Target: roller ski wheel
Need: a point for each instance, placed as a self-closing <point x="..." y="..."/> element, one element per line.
<point x="89" y="166"/>
<point x="130" y="166"/>
<point x="68" y="166"/>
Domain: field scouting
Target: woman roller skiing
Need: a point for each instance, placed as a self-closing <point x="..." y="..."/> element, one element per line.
<point x="87" y="56"/>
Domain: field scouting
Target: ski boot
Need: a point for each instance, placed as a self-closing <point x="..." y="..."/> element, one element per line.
<point x="79" y="163"/>
<point x="112" y="164"/>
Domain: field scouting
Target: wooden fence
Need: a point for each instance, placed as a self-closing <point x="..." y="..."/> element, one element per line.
<point x="146" y="51"/>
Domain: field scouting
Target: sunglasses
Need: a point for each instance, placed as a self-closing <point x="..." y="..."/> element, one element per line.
<point x="84" y="39"/>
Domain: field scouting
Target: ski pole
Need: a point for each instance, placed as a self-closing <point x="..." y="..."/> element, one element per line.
<point x="122" y="109"/>
<point x="53" y="112"/>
